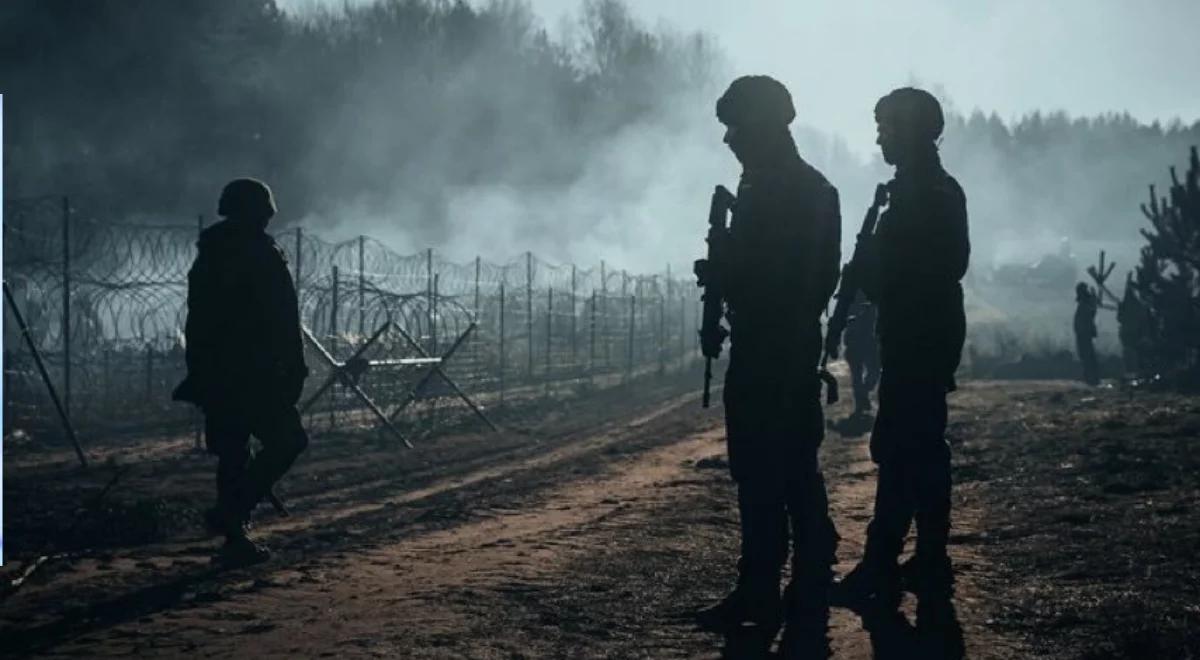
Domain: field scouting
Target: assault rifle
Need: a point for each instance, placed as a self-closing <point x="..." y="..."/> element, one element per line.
<point x="708" y="276"/>
<point x="850" y="285"/>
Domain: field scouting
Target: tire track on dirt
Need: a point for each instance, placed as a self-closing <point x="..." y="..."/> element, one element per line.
<point x="542" y="468"/>
<point x="550" y="562"/>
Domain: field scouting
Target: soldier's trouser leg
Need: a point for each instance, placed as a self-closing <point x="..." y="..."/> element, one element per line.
<point x="814" y="538"/>
<point x="909" y="445"/>
<point x="764" y="521"/>
<point x="762" y="505"/>
<point x="893" y="514"/>
<point x="227" y="435"/>
<point x="283" y="438"/>
<point x="932" y="489"/>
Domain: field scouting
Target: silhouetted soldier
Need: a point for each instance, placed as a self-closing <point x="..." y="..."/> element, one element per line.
<point x="245" y="359"/>
<point x="862" y="352"/>
<point x="1086" y="304"/>
<point x="780" y="269"/>
<point x="912" y="272"/>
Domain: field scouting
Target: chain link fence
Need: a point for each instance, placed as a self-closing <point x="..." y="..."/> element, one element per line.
<point x="105" y="305"/>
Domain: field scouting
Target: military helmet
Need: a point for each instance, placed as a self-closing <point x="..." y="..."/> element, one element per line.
<point x="246" y="198"/>
<point x="756" y="100"/>
<point x="912" y="109"/>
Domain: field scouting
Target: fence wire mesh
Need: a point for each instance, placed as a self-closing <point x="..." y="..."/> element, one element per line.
<point x="105" y="305"/>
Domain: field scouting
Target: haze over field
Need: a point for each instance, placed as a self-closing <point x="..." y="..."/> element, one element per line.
<point x="585" y="130"/>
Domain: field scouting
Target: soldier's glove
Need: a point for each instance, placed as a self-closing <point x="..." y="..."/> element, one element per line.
<point x="711" y="341"/>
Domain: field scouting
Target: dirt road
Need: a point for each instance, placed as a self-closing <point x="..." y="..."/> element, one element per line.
<point x="593" y="542"/>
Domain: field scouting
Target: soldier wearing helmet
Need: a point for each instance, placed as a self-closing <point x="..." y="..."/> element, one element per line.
<point x="245" y="359"/>
<point x="914" y="264"/>
<point x="779" y="271"/>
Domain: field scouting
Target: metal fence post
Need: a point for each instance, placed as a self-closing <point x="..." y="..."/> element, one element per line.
<point x="66" y="304"/>
<point x="624" y="294"/>
<point x="574" y="328"/>
<point x="433" y="329"/>
<point x="8" y="410"/>
<point x="362" y="286"/>
<point x="475" y="312"/>
<point x="683" y="330"/>
<point x="592" y="338"/>
<point x="433" y="336"/>
<point x="549" y="330"/>
<point x="529" y="308"/>
<point x="501" y="342"/>
<point x="333" y="344"/>
<point x="662" y="324"/>
<point x="198" y="416"/>
<point x="429" y="299"/>
<point x="604" y="313"/>
<point x="333" y="307"/>
<point x="632" y="329"/>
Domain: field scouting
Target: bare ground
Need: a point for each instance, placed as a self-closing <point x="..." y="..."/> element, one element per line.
<point x="592" y="530"/>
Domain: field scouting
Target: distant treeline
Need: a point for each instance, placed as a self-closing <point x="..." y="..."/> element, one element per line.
<point x="151" y="105"/>
<point x="399" y="108"/>
<point x="1080" y="177"/>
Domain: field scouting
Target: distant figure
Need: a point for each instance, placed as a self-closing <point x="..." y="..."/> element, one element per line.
<point x="862" y="353"/>
<point x="914" y="265"/>
<point x="780" y="269"/>
<point x="245" y="360"/>
<point x="1086" y="304"/>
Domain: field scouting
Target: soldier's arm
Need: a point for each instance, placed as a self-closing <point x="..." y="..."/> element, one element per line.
<point x="829" y="254"/>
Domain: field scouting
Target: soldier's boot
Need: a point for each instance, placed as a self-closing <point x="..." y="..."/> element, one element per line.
<point x="240" y="550"/>
<point x="876" y="579"/>
<point x="754" y="601"/>
<point x="748" y="604"/>
<point x="871" y="582"/>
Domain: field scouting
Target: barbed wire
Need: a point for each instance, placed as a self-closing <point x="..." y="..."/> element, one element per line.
<point x="127" y="286"/>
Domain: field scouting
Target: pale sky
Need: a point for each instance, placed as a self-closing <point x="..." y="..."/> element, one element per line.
<point x="1082" y="56"/>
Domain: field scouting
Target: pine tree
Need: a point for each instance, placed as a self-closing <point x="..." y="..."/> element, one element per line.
<point x="1166" y="283"/>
